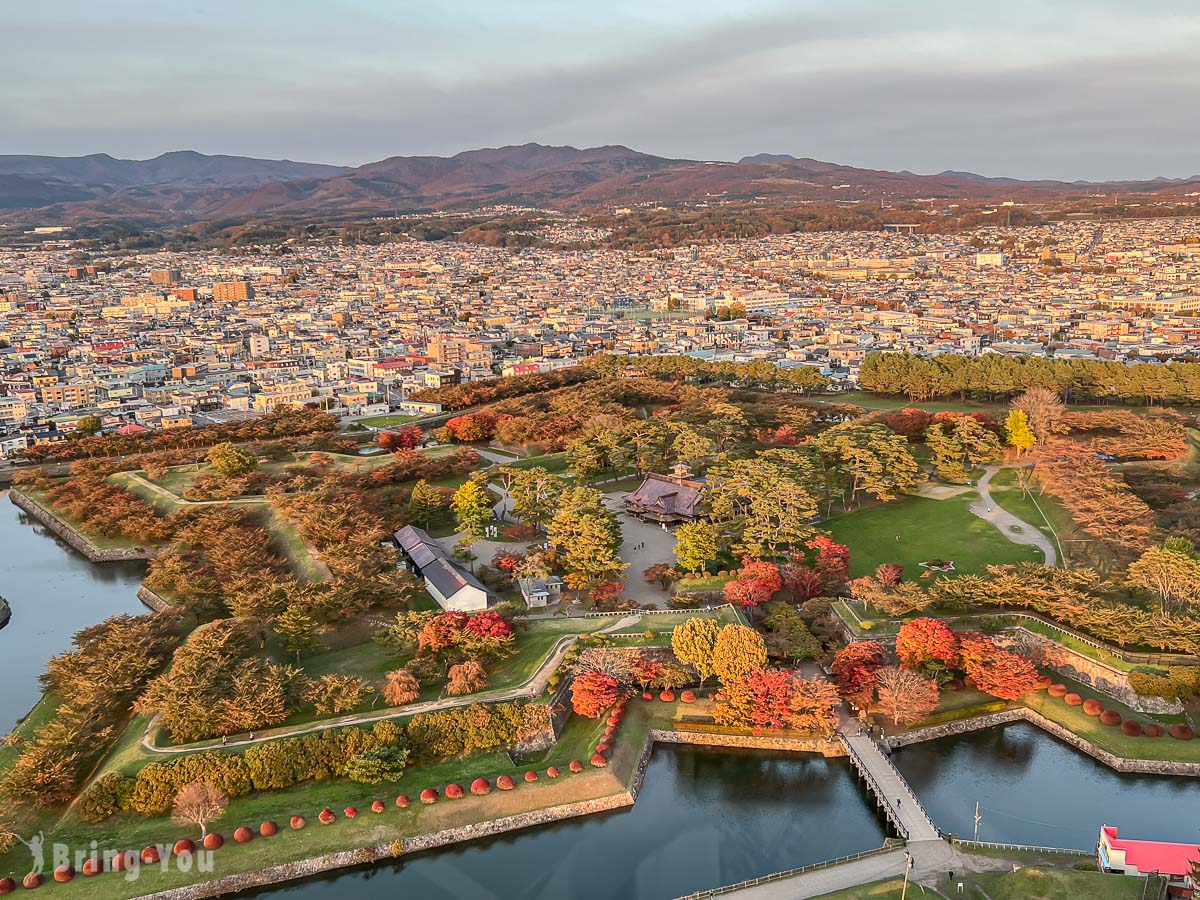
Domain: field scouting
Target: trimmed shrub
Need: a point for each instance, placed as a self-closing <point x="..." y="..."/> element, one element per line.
<point x="1093" y="707"/>
<point x="31" y="881"/>
<point x="350" y="812"/>
<point x="1073" y="700"/>
<point x="122" y="861"/>
<point x="603" y="747"/>
<point x="429" y="796"/>
<point x="214" y="841"/>
<point x="667" y="696"/>
<point x="505" y="783"/>
<point x="1181" y="732"/>
<point x="92" y="867"/>
<point x="530" y="777"/>
<point x="1153" y="730"/>
<point x="575" y="766"/>
<point x="599" y="761"/>
<point x="297" y="823"/>
<point x="552" y="772"/>
<point x="268" y="829"/>
<point x="150" y="856"/>
<point x="1057" y="690"/>
<point x="688" y="696"/>
<point x="243" y="835"/>
<point x="454" y="791"/>
<point x="647" y="696"/>
<point x="1131" y="728"/>
<point x="64" y="873"/>
<point x="1110" y="717"/>
<point x="7" y="886"/>
<point x="481" y="787"/>
<point x="1044" y="682"/>
<point x="402" y="801"/>
<point x="326" y="817"/>
<point x="614" y="720"/>
<point x="184" y="846"/>
<point x="377" y="806"/>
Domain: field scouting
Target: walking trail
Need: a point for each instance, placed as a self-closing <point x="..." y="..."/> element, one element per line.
<point x="534" y="686"/>
<point x="1016" y="530"/>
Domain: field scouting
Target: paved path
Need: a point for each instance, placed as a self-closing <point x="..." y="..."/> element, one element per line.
<point x="1016" y="530"/>
<point x="825" y="881"/>
<point x="889" y="786"/>
<point x="534" y="686"/>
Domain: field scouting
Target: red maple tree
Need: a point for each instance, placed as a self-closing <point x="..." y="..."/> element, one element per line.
<point x="755" y="585"/>
<point x="926" y="644"/>
<point x="592" y="693"/>
<point x="855" y="667"/>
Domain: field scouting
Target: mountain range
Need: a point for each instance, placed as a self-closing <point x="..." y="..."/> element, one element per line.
<point x="184" y="186"/>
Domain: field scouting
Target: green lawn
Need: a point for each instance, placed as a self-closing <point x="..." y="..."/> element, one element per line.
<point x="1028" y="883"/>
<point x="389" y="421"/>
<point x="555" y="463"/>
<point x="1007" y="492"/>
<point x="927" y="529"/>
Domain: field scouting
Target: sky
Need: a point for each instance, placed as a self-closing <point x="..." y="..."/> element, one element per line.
<point x="1065" y="89"/>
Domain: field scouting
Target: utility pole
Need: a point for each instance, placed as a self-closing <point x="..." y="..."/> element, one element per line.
<point x="908" y="861"/>
<point x="976" y="821"/>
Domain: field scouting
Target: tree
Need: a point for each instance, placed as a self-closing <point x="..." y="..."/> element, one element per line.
<point x="400" y="687"/>
<point x="738" y="651"/>
<point x="905" y="695"/>
<point x="378" y="765"/>
<point x="88" y="425"/>
<point x="199" y="803"/>
<point x="472" y="507"/>
<point x="693" y="642"/>
<point x="959" y="445"/>
<point x="297" y="629"/>
<point x="1043" y="411"/>
<point x="756" y="583"/>
<point x="335" y="694"/>
<point x="534" y="493"/>
<point x="1004" y="674"/>
<point x="425" y="504"/>
<point x="587" y="537"/>
<point x="231" y="460"/>
<point x="1020" y="435"/>
<point x="592" y="693"/>
<point x="768" y="500"/>
<point x="855" y="667"/>
<point x="466" y="678"/>
<point x="871" y="459"/>
<point x="696" y="545"/>
<point x="775" y="699"/>
<point x="927" y="645"/>
<point x="789" y="637"/>
<point x="1169" y="572"/>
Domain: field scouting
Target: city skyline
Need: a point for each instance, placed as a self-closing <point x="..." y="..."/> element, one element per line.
<point x="929" y="88"/>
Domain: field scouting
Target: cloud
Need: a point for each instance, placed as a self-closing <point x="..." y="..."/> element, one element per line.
<point x="1076" y="89"/>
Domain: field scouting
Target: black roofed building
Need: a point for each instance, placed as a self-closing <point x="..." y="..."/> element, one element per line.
<point x="670" y="499"/>
<point x="454" y="588"/>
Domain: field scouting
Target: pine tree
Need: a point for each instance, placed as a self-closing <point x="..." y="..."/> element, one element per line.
<point x="297" y="629"/>
<point x="424" y="504"/>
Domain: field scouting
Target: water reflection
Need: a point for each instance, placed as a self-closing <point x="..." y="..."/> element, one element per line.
<point x="1032" y="789"/>
<point x="54" y="592"/>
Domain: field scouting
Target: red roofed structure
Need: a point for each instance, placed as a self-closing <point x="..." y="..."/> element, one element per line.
<point x="1172" y="861"/>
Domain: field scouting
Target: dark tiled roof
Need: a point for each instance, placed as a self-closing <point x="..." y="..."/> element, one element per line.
<point x="666" y="496"/>
<point x="429" y="557"/>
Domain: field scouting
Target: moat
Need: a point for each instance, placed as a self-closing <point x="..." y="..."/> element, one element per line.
<point x="704" y="818"/>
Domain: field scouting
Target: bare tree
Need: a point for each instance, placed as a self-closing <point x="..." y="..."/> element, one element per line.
<point x="905" y="695"/>
<point x="1043" y="409"/>
<point x="199" y="803"/>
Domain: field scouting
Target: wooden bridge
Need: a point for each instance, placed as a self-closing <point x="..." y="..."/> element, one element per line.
<point x="891" y="790"/>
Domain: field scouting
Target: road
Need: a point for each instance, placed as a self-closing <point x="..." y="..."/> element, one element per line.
<point x="1016" y="530"/>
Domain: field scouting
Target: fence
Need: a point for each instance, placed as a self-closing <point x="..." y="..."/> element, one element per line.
<point x="1023" y="848"/>
<point x="789" y="873"/>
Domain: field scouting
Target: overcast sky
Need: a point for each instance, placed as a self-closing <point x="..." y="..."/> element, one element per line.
<point x="1067" y="89"/>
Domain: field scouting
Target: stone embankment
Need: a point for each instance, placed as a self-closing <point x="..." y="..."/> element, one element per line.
<point x="1024" y="714"/>
<point x="307" y="868"/>
<point x="152" y="600"/>
<point x="76" y="540"/>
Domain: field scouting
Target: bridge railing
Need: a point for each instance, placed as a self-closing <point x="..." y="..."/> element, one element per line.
<point x="864" y="769"/>
<point x="787" y="873"/>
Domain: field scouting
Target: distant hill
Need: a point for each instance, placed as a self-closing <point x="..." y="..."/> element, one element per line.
<point x="184" y="186"/>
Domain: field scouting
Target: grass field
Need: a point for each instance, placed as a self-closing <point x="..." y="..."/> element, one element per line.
<point x="389" y="421"/>
<point x="927" y="529"/>
<point x="1028" y="883"/>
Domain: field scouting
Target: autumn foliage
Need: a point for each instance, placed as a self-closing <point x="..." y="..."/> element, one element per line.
<point x="592" y="693"/>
